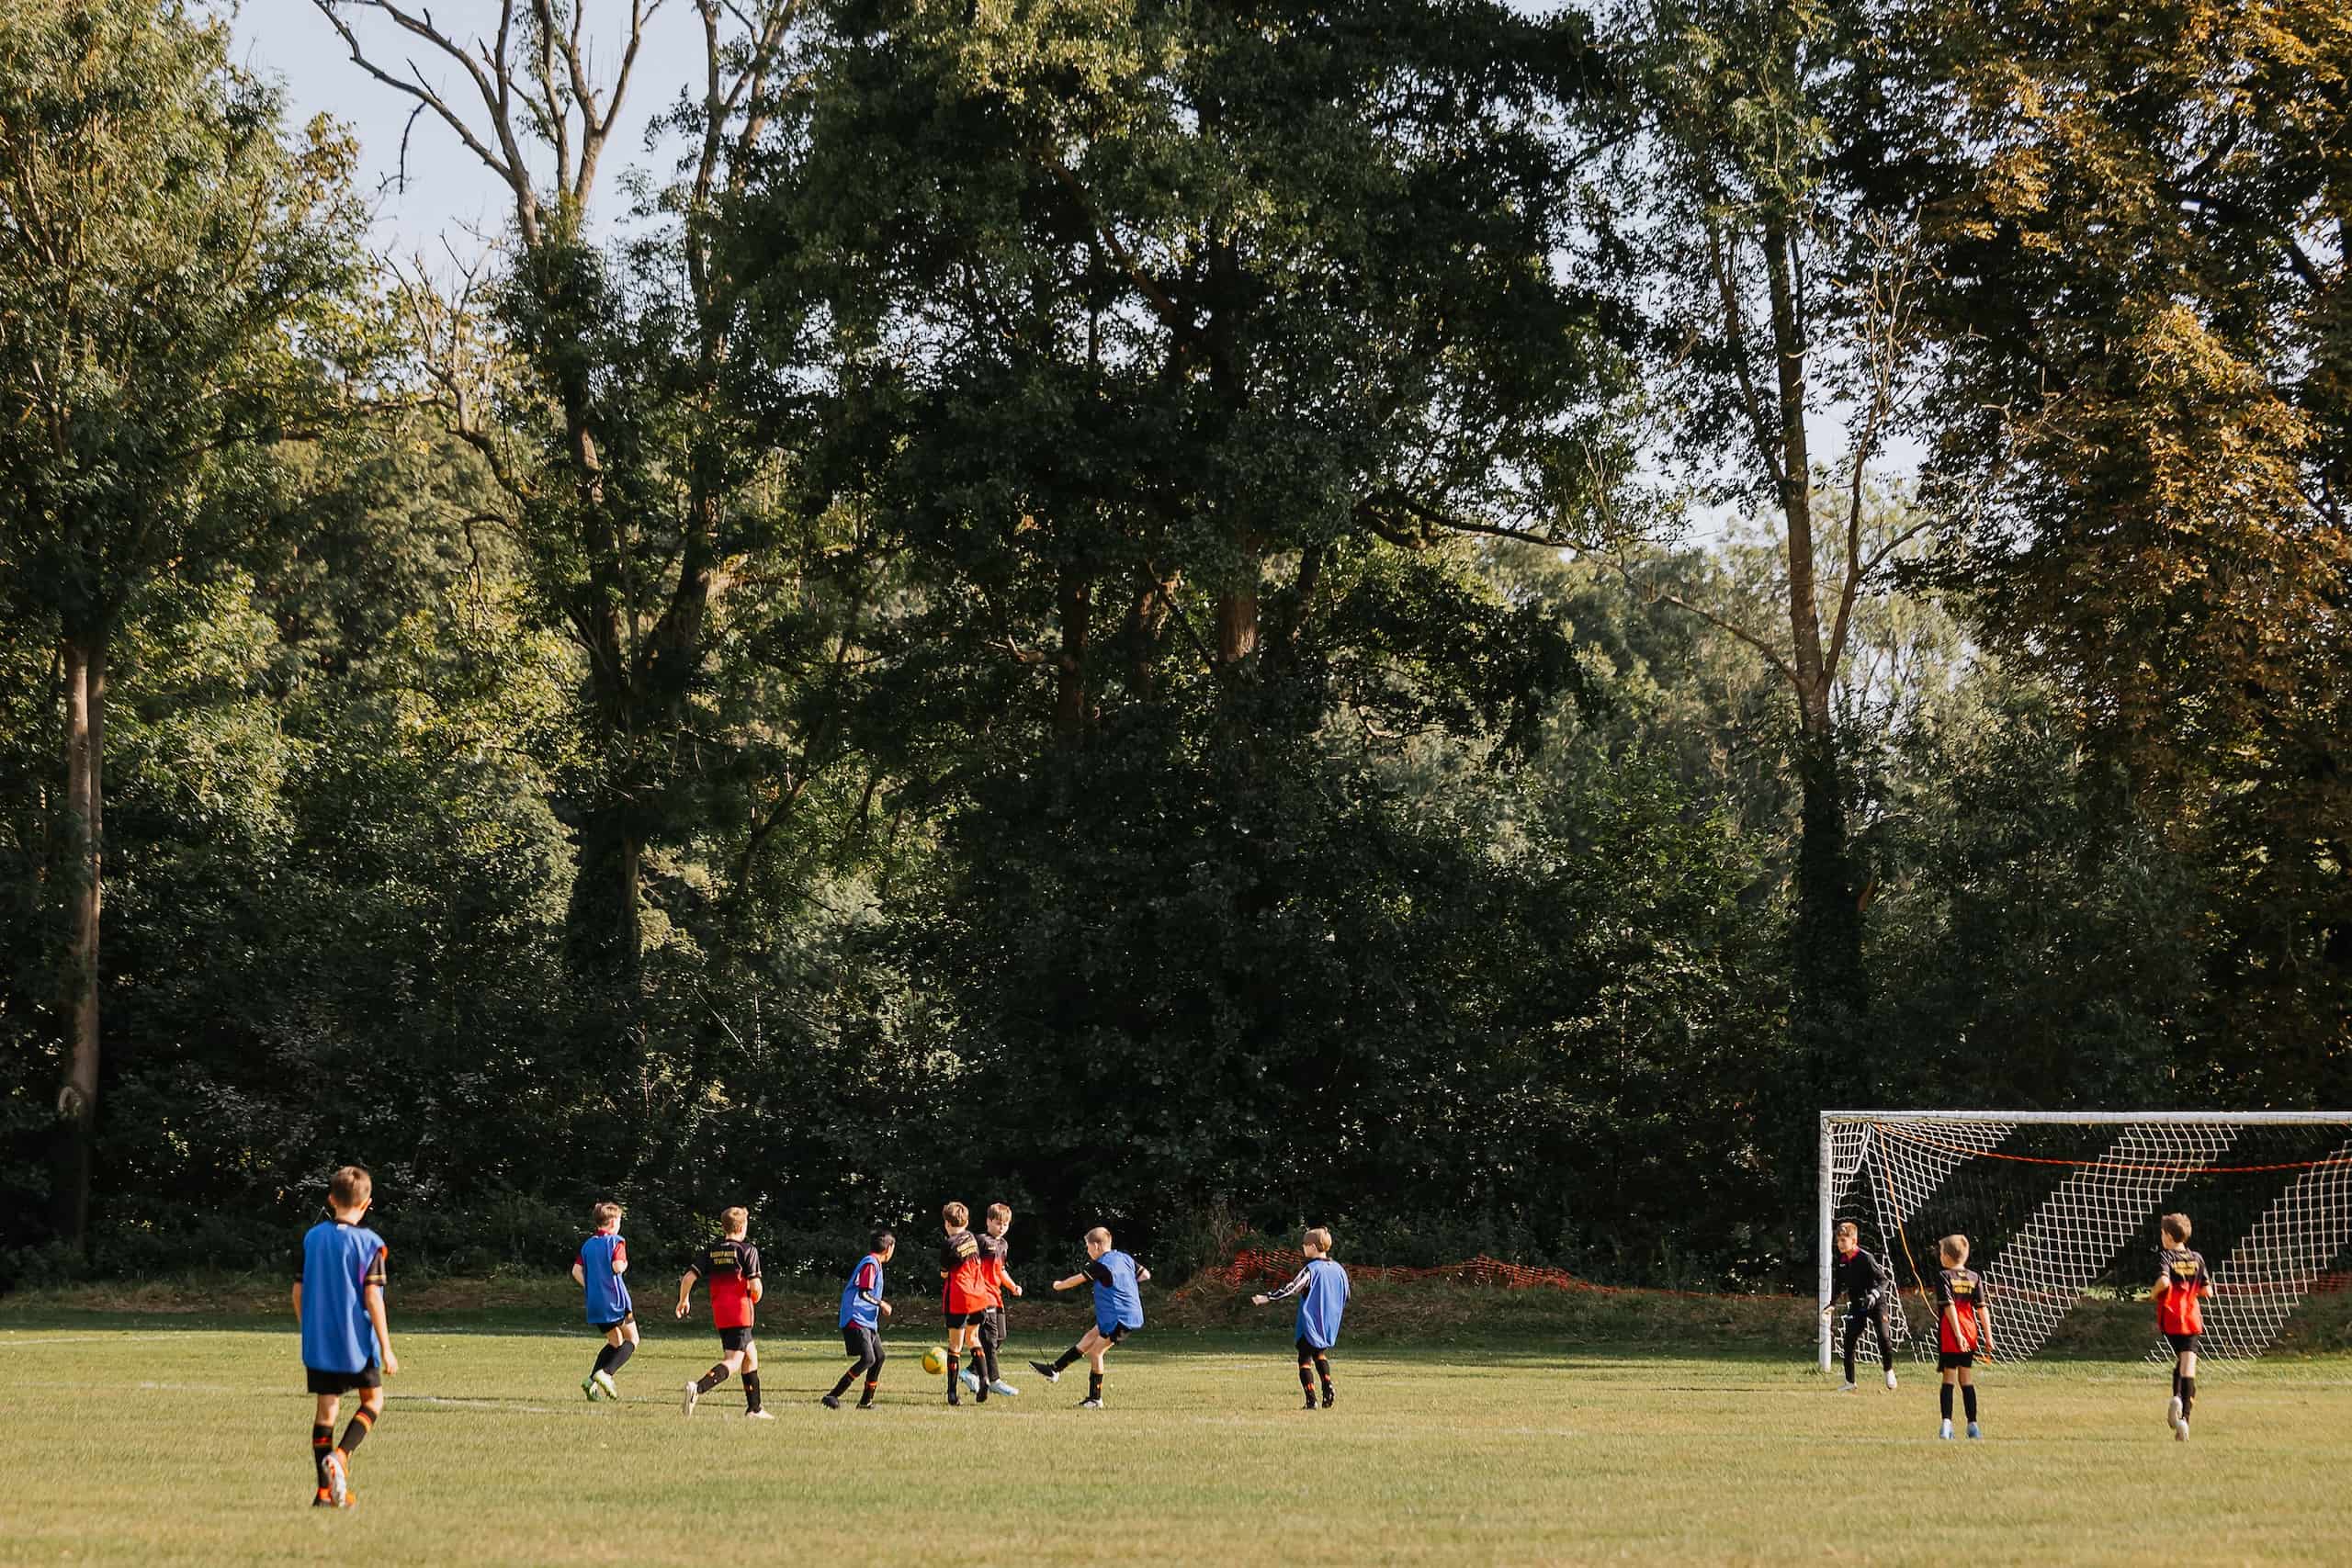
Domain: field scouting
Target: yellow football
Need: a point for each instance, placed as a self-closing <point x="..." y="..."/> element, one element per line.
<point x="934" y="1360"/>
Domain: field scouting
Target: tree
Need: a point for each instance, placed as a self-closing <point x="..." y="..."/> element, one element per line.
<point x="175" y="278"/>
<point x="2142" y="315"/>
<point x="1785" y="312"/>
<point x="598" y="405"/>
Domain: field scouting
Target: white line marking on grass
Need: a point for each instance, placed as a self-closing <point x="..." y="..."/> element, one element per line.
<point x="61" y="1339"/>
<point x="471" y="1403"/>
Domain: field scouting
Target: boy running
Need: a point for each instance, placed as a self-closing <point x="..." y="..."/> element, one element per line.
<point x="1118" y="1311"/>
<point x="994" y="1250"/>
<point x="598" y="1271"/>
<point x="863" y="1310"/>
<point x="1322" y="1290"/>
<point x="346" y="1340"/>
<point x="2182" y="1285"/>
<point x="732" y="1265"/>
<point x="1963" y="1326"/>
<point x="964" y="1283"/>
<point x="1865" y="1283"/>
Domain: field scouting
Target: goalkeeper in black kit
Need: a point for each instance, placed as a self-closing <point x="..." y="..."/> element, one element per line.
<point x="1869" y="1290"/>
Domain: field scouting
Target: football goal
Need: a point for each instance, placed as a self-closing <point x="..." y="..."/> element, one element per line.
<point x="2061" y="1207"/>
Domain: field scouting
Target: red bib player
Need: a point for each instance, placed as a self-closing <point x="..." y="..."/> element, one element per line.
<point x="2182" y="1285"/>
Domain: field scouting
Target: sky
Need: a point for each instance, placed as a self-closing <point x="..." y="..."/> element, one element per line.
<point x="448" y="192"/>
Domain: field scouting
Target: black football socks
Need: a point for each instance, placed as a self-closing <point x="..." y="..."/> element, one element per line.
<point x="866" y="1402"/>
<point x="612" y="1358"/>
<point x="1323" y="1371"/>
<point x="2187" y="1396"/>
<point x="321" y="1445"/>
<point x="1968" y="1401"/>
<point x="363" y="1422"/>
<point x="1067" y="1359"/>
<point x="711" y="1378"/>
<point x="1094" y="1385"/>
<point x="1946" y="1397"/>
<point x="1306" y="1380"/>
<point x="848" y="1377"/>
<point x="751" y="1393"/>
<point x="954" y="1381"/>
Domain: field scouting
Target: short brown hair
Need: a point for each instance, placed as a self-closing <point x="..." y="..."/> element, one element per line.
<point x="1954" y="1247"/>
<point x="1099" y="1234"/>
<point x="2177" y="1226"/>
<point x="1001" y="1211"/>
<point x="958" y="1216"/>
<point x="1848" y="1227"/>
<point x="350" y="1187"/>
<point x="737" y="1218"/>
<point x="1321" y="1238"/>
<point x="607" y="1213"/>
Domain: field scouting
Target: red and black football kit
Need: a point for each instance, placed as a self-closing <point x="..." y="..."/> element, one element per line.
<point x="728" y="1266"/>
<point x="1958" y="1293"/>
<point x="2180" y="1311"/>
<point x="965" y="1280"/>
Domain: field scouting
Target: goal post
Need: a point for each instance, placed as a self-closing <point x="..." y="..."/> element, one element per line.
<point x="2063" y="1206"/>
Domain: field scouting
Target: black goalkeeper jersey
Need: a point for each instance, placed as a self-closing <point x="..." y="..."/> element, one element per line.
<point x="1860" y="1278"/>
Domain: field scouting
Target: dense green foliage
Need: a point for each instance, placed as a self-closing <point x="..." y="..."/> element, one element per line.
<point x="1183" y="615"/>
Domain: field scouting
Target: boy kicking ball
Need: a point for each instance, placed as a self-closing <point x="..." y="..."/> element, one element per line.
<point x="1963" y="1328"/>
<point x="1322" y="1290"/>
<point x="732" y="1266"/>
<point x="1118" y="1311"/>
<point x="1864" y="1281"/>
<point x="346" y="1340"/>
<point x="2182" y="1285"/>
<point x="598" y="1271"/>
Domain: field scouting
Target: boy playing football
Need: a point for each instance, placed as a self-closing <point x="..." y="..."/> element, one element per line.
<point x="2182" y="1285"/>
<point x="1864" y="1282"/>
<point x="1322" y="1290"/>
<point x="598" y="1271"/>
<point x="1963" y="1328"/>
<point x="863" y="1310"/>
<point x="964" y="1283"/>
<point x="1118" y="1311"/>
<point x="732" y="1265"/>
<point x="346" y="1339"/>
<point x="994" y="1250"/>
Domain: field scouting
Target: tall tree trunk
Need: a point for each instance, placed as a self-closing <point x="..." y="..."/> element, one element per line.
<point x="84" y="658"/>
<point x="1825" y="970"/>
<point x="1236" y="615"/>
<point x="1069" y="669"/>
<point x="604" y="939"/>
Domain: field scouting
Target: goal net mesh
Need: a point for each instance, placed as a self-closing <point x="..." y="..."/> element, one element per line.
<point x="2059" y="1212"/>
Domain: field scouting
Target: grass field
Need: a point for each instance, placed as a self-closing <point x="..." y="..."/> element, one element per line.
<point x="156" y="1439"/>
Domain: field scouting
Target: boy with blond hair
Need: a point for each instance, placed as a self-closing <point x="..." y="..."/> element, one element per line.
<point x="963" y="1285"/>
<point x="994" y="1250"/>
<point x="597" y="1270"/>
<point x="1963" y="1328"/>
<point x="2182" y="1284"/>
<point x="1322" y="1290"/>
<point x="1868" y="1289"/>
<point x="346" y="1338"/>
<point x="1118" y="1280"/>
<point x="732" y="1266"/>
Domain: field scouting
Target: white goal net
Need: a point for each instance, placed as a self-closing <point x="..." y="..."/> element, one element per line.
<point x="2061" y="1208"/>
